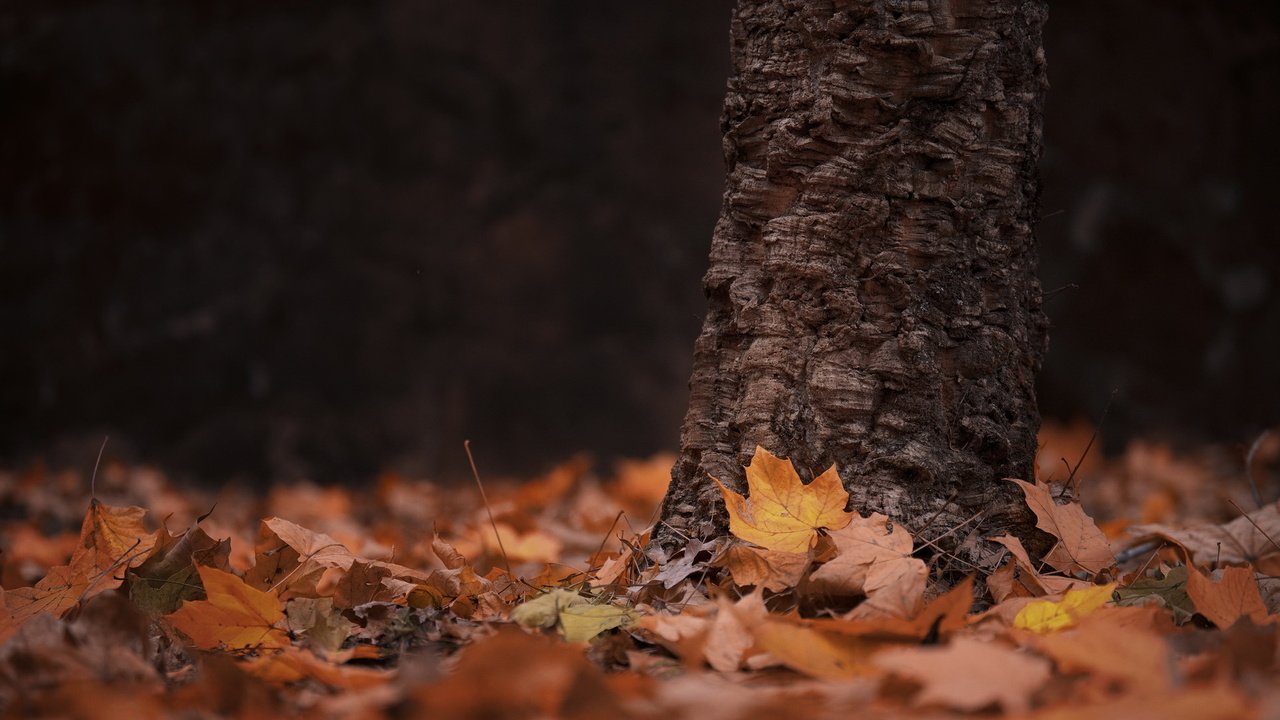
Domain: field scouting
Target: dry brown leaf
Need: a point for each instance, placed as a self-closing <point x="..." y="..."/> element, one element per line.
<point x="55" y="594"/>
<point x="1247" y="539"/>
<point x="1022" y="578"/>
<point x="364" y="582"/>
<point x="540" y="678"/>
<point x="446" y="553"/>
<point x="825" y="655"/>
<point x="780" y="512"/>
<point x="1082" y="546"/>
<point x="684" y="635"/>
<point x="969" y="674"/>
<point x="770" y="569"/>
<point x="234" y="616"/>
<point x="730" y="635"/>
<point x="290" y="664"/>
<point x="874" y="559"/>
<point x="1233" y="596"/>
<point x="1207" y="703"/>
<point x="1106" y="645"/>
<point x="941" y="617"/>
<point x="290" y="559"/>
<point x="112" y="539"/>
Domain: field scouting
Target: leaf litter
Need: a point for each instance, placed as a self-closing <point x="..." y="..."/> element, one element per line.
<point x="399" y="602"/>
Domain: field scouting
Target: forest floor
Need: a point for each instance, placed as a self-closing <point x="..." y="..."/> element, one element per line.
<point x="130" y="597"/>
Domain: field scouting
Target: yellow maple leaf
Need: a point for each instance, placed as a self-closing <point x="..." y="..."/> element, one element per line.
<point x="234" y="616"/>
<point x="780" y="512"/>
<point x="1045" y="616"/>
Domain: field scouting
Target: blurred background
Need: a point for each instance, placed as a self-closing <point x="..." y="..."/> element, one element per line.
<point x="321" y="239"/>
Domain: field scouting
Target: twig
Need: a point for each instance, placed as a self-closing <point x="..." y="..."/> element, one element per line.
<point x="1075" y="487"/>
<point x="93" y="479"/>
<point x="466" y="445"/>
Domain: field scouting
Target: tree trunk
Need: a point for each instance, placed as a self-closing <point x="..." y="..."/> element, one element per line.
<point x="872" y="289"/>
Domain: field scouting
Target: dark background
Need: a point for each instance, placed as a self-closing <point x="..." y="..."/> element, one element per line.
<point x="283" y="239"/>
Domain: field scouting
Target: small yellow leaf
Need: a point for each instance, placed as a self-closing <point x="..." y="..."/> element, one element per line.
<point x="780" y="512"/>
<point x="580" y="623"/>
<point x="578" y="618"/>
<point x="1045" y="616"/>
<point x="544" y="610"/>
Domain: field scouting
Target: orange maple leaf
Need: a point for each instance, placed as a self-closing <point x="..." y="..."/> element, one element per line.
<point x="234" y="616"/>
<point x="780" y="512"/>
<point x="112" y="539"/>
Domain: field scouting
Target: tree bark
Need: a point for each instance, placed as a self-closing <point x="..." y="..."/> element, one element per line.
<point x="872" y="293"/>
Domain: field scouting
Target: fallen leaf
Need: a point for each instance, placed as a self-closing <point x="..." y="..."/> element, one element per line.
<point x="941" y="617"/>
<point x="1027" y="577"/>
<point x="1104" y="645"/>
<point x="874" y="559"/>
<point x="677" y="569"/>
<point x="319" y="622"/>
<point x="1245" y="539"/>
<point x="112" y="539"/>
<point x="290" y="664"/>
<point x="829" y="656"/>
<point x="540" y="678"/>
<point x="1168" y="590"/>
<point x="543" y="611"/>
<point x="234" y="616"/>
<point x="1044" y="616"/>
<point x="581" y="623"/>
<point x="55" y="594"/>
<point x="1207" y="703"/>
<point x="363" y="583"/>
<point x="168" y="577"/>
<point x="969" y="674"/>
<point x="290" y="559"/>
<point x="447" y="554"/>
<point x="770" y="569"/>
<point x="1081" y="545"/>
<point x="780" y="512"/>
<point x="577" y="617"/>
<point x="1233" y="596"/>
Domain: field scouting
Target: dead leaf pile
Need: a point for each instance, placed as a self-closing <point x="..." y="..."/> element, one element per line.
<point x="407" y="601"/>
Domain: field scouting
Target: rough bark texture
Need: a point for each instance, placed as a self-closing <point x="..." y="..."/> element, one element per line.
<point x="872" y="288"/>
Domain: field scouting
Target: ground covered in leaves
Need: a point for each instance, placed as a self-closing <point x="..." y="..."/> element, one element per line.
<point x="127" y="597"/>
